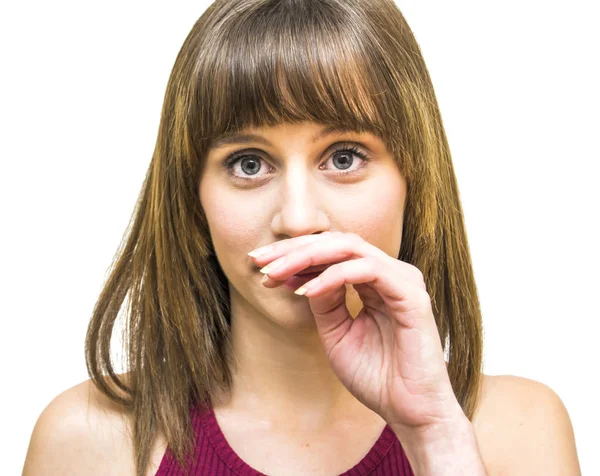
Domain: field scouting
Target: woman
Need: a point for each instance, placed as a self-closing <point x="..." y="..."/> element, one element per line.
<point x="312" y="127"/>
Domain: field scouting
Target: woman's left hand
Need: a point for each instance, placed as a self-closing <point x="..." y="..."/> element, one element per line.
<point x="390" y="356"/>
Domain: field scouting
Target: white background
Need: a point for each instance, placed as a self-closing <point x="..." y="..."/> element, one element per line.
<point x="82" y="86"/>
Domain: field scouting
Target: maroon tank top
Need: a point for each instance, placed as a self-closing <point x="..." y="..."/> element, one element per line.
<point x="214" y="457"/>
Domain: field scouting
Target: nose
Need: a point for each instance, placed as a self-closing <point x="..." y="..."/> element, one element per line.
<point x="300" y="211"/>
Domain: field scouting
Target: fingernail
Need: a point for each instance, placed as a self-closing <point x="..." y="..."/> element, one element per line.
<point x="273" y="265"/>
<point x="260" y="251"/>
<point x="300" y="291"/>
<point x="307" y="286"/>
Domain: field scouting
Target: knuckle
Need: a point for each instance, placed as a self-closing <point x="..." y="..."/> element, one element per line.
<point x="418" y="273"/>
<point x="353" y="238"/>
<point x="374" y="263"/>
<point x="424" y="298"/>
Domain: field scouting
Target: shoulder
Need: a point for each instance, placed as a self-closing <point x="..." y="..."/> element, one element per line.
<point x="80" y="432"/>
<point x="523" y="427"/>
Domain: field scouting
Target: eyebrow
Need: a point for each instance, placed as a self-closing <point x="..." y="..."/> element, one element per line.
<point x="244" y="138"/>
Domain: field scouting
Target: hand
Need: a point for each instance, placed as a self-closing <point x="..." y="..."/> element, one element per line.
<point x="390" y="356"/>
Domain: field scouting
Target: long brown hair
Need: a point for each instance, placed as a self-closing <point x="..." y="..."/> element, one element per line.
<point x="353" y="64"/>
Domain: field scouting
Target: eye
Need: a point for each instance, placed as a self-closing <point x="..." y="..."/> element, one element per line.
<point x="343" y="156"/>
<point x="250" y="164"/>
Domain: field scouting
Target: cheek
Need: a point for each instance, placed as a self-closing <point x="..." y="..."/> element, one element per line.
<point x="379" y="219"/>
<point x="233" y="227"/>
<point x="381" y="226"/>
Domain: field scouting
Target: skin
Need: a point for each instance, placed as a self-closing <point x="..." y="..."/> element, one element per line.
<point x="298" y="189"/>
<point x="284" y="379"/>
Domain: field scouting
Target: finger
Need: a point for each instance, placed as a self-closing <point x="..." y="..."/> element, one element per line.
<point x="269" y="252"/>
<point x="322" y="253"/>
<point x="400" y="295"/>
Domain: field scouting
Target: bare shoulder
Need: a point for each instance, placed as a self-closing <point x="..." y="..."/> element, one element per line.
<point x="523" y="428"/>
<point x="80" y="432"/>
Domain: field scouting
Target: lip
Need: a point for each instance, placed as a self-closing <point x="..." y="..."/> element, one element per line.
<point x="313" y="269"/>
<point x="298" y="280"/>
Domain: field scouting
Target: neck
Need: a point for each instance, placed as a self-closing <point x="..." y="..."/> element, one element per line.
<point x="282" y="374"/>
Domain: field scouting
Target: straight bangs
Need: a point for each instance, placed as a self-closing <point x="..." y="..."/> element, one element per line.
<point x="270" y="64"/>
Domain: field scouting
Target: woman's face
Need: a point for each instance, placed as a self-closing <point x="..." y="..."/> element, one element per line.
<point x="286" y="182"/>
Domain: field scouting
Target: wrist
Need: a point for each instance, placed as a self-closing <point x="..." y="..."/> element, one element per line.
<point x="448" y="449"/>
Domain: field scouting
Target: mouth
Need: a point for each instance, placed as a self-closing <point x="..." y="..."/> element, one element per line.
<point x="312" y="270"/>
<point x="304" y="276"/>
<point x="298" y="280"/>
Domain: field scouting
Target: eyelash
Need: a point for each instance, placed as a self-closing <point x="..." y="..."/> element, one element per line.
<point x="230" y="161"/>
